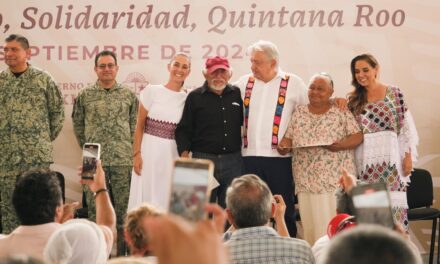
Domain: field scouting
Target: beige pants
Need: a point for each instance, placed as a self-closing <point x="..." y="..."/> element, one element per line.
<point x="316" y="211"/>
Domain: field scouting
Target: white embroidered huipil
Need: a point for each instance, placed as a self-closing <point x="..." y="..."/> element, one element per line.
<point x="389" y="132"/>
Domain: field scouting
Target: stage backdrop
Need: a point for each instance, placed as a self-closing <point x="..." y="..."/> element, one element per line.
<point x="312" y="36"/>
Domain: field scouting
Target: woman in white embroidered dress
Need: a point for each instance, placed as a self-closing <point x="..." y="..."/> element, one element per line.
<point x="323" y="139"/>
<point x="390" y="137"/>
<point x="154" y="147"/>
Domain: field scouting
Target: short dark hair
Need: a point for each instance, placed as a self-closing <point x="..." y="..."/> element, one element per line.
<point x="249" y="201"/>
<point x="369" y="244"/>
<point x="36" y="197"/>
<point x="20" y="39"/>
<point x="105" y="53"/>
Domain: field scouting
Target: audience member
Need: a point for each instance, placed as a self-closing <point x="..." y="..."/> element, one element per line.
<point x="336" y="225"/>
<point x="130" y="260"/>
<point x="135" y="235"/>
<point x="21" y="259"/>
<point x="79" y="240"/>
<point x="366" y="244"/>
<point x="176" y="241"/>
<point x="249" y="208"/>
<point x="277" y="221"/>
<point x="38" y="204"/>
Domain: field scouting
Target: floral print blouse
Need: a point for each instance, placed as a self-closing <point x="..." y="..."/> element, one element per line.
<point x="316" y="170"/>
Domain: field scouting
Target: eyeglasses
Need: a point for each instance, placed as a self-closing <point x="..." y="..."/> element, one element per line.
<point x="110" y="66"/>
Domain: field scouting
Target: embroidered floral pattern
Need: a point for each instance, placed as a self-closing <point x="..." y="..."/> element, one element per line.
<point x="385" y="115"/>
<point x="401" y="215"/>
<point x="278" y="110"/>
<point x="384" y="172"/>
<point x="316" y="169"/>
<point x="159" y="128"/>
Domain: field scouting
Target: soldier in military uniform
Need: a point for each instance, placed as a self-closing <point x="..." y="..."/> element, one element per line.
<point x="31" y="117"/>
<point x="105" y="113"/>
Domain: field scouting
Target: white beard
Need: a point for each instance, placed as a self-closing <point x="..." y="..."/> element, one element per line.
<point x="218" y="88"/>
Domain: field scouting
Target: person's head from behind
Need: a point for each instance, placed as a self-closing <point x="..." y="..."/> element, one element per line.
<point x="340" y="223"/>
<point x="179" y="67"/>
<point x="130" y="260"/>
<point x="77" y="241"/>
<point x="217" y="73"/>
<point x="320" y="89"/>
<point x="366" y="244"/>
<point x="21" y="259"/>
<point x="134" y="232"/>
<point x="37" y="197"/>
<point x="249" y="202"/>
<point x="17" y="52"/>
<point x="264" y="60"/>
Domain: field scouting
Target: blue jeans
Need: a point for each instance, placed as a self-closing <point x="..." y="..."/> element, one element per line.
<point x="226" y="168"/>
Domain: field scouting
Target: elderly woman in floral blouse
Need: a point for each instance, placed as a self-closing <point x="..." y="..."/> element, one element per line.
<point x="322" y="138"/>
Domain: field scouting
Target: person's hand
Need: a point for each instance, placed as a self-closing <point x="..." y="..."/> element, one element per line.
<point x="68" y="212"/>
<point x="335" y="146"/>
<point x="185" y="154"/>
<point x="407" y="164"/>
<point x="98" y="181"/>
<point x="137" y="164"/>
<point x="280" y="207"/>
<point x="341" y="103"/>
<point x="174" y="240"/>
<point x="218" y="216"/>
<point x="285" y="146"/>
<point x="346" y="180"/>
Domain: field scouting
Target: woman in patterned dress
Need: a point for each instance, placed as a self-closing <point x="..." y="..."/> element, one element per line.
<point x="323" y="139"/>
<point x="154" y="147"/>
<point x="390" y="138"/>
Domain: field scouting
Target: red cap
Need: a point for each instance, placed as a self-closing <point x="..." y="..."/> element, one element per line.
<point x="216" y="63"/>
<point x="338" y="223"/>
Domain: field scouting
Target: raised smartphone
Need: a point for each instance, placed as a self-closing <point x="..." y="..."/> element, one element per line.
<point x="189" y="190"/>
<point x="91" y="154"/>
<point x="372" y="204"/>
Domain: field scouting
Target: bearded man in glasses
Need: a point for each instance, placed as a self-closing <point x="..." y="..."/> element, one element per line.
<point x="105" y="113"/>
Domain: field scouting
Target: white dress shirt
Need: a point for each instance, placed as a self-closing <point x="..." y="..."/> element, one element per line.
<point x="262" y="106"/>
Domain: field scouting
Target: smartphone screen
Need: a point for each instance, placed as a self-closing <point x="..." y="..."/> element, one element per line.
<point x="91" y="153"/>
<point x="372" y="204"/>
<point x="189" y="191"/>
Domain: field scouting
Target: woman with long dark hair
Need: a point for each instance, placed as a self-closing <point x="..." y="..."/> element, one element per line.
<point x="388" y="151"/>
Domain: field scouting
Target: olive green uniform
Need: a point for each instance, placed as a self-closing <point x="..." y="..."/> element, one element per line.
<point x="108" y="117"/>
<point x="31" y="117"/>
